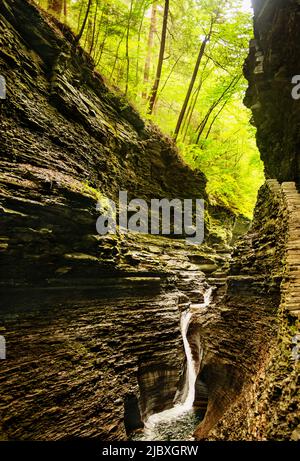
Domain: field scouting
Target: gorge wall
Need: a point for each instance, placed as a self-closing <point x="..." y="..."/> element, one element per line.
<point x="272" y="63"/>
<point x="252" y="368"/>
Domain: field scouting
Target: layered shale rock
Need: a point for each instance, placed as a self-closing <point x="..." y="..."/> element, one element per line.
<point x="75" y="355"/>
<point x="273" y="62"/>
<point x="91" y="322"/>
<point x="86" y="318"/>
<point x="235" y="331"/>
<point x="66" y="141"/>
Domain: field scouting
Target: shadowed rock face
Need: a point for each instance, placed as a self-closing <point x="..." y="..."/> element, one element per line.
<point x="251" y="373"/>
<point x="65" y="139"/>
<point x="86" y="318"/>
<point x="75" y="355"/>
<point x="72" y="361"/>
<point x="273" y="61"/>
<point x="267" y="408"/>
<point x="236" y="331"/>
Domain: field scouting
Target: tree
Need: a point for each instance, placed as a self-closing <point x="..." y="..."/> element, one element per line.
<point x="193" y="79"/>
<point x="94" y="28"/>
<point x="227" y="92"/>
<point x="127" y="46"/>
<point x="154" y="90"/>
<point x="140" y="28"/>
<point x="78" y="37"/>
<point x="195" y="86"/>
<point x="152" y="30"/>
<point x="65" y="9"/>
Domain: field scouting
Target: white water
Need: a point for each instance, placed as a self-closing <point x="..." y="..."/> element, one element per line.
<point x="179" y="409"/>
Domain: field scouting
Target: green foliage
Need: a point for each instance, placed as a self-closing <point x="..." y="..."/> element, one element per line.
<point x="215" y="135"/>
<point x="230" y="161"/>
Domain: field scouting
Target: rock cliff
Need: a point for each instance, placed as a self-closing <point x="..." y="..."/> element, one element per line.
<point x="251" y="369"/>
<point x="273" y="62"/>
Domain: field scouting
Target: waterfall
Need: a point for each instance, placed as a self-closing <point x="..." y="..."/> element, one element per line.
<point x="186" y="405"/>
<point x="189" y="386"/>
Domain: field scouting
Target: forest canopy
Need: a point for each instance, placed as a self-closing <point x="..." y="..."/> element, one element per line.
<point x="180" y="63"/>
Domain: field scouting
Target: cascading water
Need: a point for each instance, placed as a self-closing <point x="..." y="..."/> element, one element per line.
<point x="178" y="422"/>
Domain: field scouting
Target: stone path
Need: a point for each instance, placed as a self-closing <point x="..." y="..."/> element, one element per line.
<point x="291" y="284"/>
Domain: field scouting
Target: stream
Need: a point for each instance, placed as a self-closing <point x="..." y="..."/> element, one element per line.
<point x="178" y="423"/>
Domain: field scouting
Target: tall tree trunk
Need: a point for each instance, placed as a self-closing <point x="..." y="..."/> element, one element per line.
<point x="142" y="12"/>
<point x="154" y="90"/>
<point x="77" y="39"/>
<point x="94" y="28"/>
<point x="192" y="82"/>
<point x="88" y="35"/>
<point x="99" y="57"/>
<point x="152" y="31"/>
<point x="79" y="16"/>
<point x="190" y="111"/>
<point x="127" y="47"/>
<point x="193" y="102"/>
<point x="55" y="6"/>
<point x="95" y="53"/>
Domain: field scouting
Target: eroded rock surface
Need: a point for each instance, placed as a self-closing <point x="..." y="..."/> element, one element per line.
<point x="251" y="361"/>
<point x="273" y="62"/>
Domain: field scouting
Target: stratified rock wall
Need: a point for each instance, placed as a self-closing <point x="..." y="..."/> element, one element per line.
<point x="273" y="61"/>
<point x="236" y="331"/>
<point x="92" y="323"/>
<point x="267" y="405"/>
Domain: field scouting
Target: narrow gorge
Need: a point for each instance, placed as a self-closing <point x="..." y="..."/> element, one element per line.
<point x="113" y="337"/>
